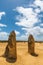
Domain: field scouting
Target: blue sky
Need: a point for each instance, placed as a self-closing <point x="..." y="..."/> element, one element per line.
<point x="25" y="17"/>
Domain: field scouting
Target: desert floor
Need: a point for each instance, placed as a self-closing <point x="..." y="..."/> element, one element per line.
<point x="23" y="57"/>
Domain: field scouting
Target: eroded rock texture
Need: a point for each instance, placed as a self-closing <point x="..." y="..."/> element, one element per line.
<point x="10" y="51"/>
<point x="31" y="44"/>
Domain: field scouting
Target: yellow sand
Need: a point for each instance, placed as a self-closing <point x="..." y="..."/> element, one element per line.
<point x="23" y="57"/>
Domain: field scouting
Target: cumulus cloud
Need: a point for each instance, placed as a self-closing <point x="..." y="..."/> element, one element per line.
<point x="4" y="35"/>
<point x="41" y="24"/>
<point x="37" y="10"/>
<point x="1" y="14"/>
<point x="17" y="32"/>
<point x="22" y="38"/>
<point x="35" y="31"/>
<point x="28" y="17"/>
<point x="39" y="3"/>
<point x="3" y="25"/>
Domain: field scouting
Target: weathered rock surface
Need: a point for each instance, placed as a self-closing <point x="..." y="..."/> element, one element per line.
<point x="31" y="44"/>
<point x="10" y="51"/>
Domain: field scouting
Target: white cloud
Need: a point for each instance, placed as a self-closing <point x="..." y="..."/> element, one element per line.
<point x="17" y="32"/>
<point x="41" y="24"/>
<point x="39" y="3"/>
<point x="3" y="25"/>
<point x="22" y="38"/>
<point x="29" y="17"/>
<point x="35" y="31"/>
<point x="4" y="35"/>
<point x="1" y="14"/>
<point x="37" y="10"/>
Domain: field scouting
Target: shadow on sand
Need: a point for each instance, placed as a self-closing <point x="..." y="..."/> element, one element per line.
<point x="34" y="54"/>
<point x="10" y="60"/>
<point x="13" y="60"/>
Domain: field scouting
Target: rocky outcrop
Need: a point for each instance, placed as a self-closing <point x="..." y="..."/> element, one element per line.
<point x="10" y="51"/>
<point x="31" y="44"/>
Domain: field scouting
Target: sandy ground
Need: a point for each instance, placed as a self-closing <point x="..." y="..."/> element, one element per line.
<point x="23" y="57"/>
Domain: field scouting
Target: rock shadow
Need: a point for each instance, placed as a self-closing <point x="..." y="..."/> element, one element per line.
<point x="10" y="60"/>
<point x="34" y="54"/>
